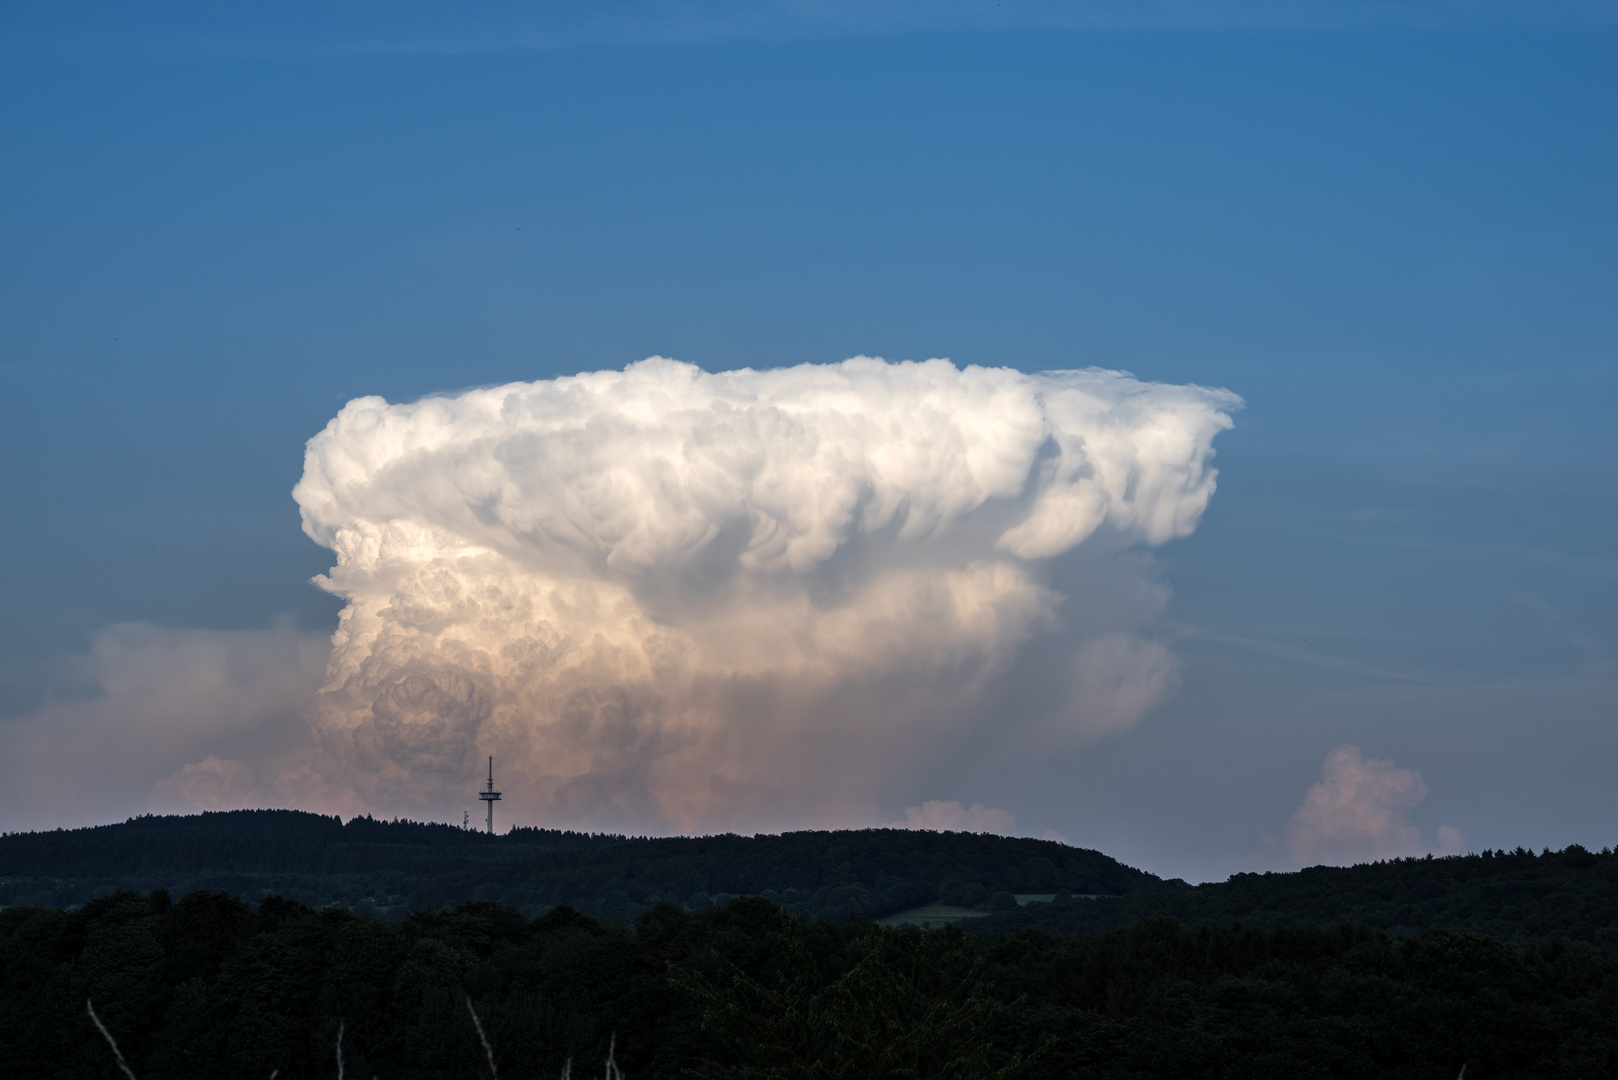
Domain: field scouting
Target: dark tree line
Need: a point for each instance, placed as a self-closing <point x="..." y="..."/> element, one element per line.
<point x="390" y="868"/>
<point x="1568" y="895"/>
<point x="207" y="986"/>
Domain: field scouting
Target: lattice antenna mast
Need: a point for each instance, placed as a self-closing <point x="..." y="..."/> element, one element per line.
<point x="490" y="796"/>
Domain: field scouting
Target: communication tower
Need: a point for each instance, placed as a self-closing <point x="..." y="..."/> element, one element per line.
<point x="490" y="796"/>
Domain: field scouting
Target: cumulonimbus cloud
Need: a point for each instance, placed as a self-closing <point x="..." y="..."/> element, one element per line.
<point x="667" y="598"/>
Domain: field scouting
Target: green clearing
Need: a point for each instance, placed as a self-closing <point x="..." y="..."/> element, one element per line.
<point x="931" y="914"/>
<point x="944" y="914"/>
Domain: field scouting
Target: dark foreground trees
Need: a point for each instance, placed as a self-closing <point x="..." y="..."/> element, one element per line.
<point x="207" y="987"/>
<point x="913" y="1005"/>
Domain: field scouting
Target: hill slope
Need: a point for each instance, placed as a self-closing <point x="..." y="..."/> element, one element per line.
<point x="389" y="868"/>
<point x="1569" y="895"/>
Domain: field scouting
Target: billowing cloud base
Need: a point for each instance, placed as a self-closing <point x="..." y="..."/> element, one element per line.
<point x="664" y="598"/>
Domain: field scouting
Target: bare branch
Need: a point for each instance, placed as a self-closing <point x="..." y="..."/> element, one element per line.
<point x="484" y="1039"/>
<point x="105" y="1034"/>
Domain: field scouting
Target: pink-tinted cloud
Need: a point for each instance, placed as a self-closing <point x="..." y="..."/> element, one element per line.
<point x="209" y="784"/>
<point x="177" y="720"/>
<point x="939" y="816"/>
<point x="1358" y="812"/>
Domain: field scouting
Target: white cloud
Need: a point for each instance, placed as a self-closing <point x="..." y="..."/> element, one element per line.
<point x="665" y="598"/>
<point x="939" y="816"/>
<point x="1358" y="810"/>
<point x="668" y="600"/>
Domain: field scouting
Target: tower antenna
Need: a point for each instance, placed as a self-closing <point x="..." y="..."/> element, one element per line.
<point x="490" y="796"/>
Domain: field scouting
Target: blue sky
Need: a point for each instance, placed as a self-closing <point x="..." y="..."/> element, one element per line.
<point x="1391" y="230"/>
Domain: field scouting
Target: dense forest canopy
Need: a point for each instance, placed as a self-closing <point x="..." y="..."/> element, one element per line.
<point x="1568" y="895"/>
<point x="205" y="986"/>
<point x="237" y="944"/>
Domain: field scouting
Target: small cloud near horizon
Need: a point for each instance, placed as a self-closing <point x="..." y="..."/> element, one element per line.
<point x="936" y="815"/>
<point x="209" y="784"/>
<point x="1357" y="812"/>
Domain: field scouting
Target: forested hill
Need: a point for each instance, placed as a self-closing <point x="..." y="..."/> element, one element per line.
<point x="263" y="842"/>
<point x="388" y="868"/>
<point x="1568" y="895"/>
